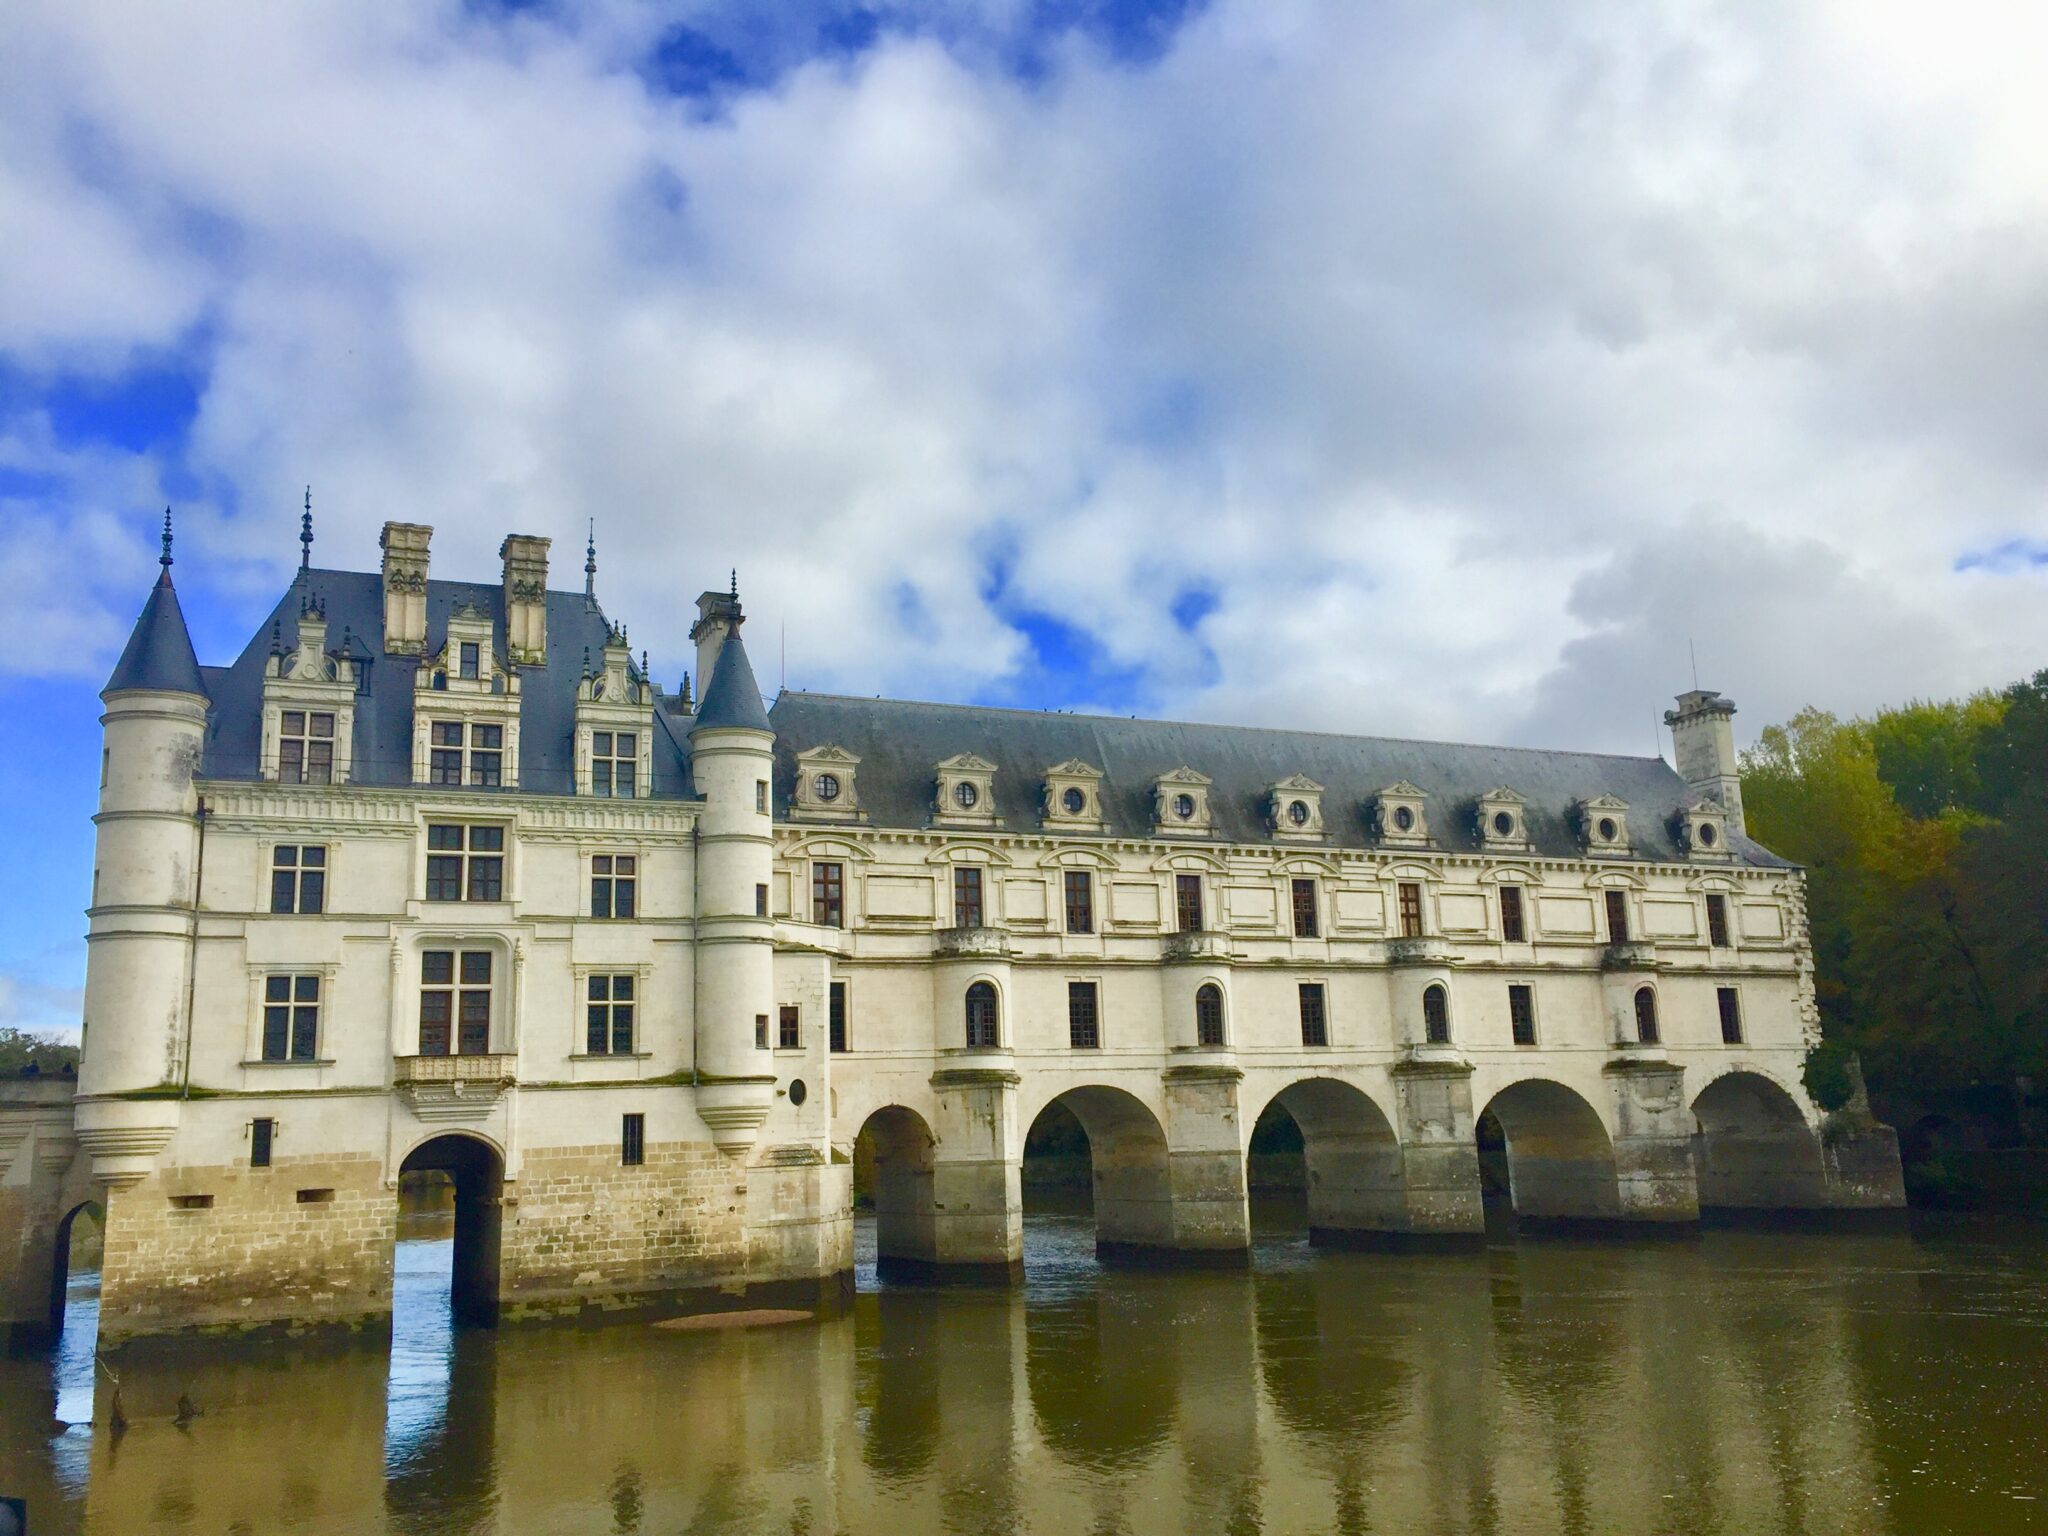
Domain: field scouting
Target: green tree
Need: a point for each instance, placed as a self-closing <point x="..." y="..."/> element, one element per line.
<point x="26" y="1055"/>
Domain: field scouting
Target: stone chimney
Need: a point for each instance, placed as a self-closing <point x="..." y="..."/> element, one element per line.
<point x="526" y="599"/>
<point x="405" y="587"/>
<point x="718" y="615"/>
<point x="1703" y="736"/>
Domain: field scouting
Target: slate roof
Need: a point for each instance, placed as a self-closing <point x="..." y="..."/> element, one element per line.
<point x="383" y="731"/>
<point x="732" y="699"/>
<point x="158" y="656"/>
<point x="900" y="744"/>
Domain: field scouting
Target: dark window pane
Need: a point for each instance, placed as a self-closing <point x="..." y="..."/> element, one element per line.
<point x="599" y="1032"/>
<point x="1305" y="925"/>
<point x="1187" y="899"/>
<point x="283" y="885"/>
<point x="284" y="855"/>
<point x="277" y="989"/>
<point x="1617" y="918"/>
<point x="1080" y="901"/>
<point x="627" y="744"/>
<point x="622" y="1029"/>
<point x="1084" y="1024"/>
<point x="622" y="989"/>
<point x="624" y="787"/>
<point x="1209" y="1015"/>
<point x="305" y="1027"/>
<point x="291" y="757"/>
<point x="786" y="1030"/>
<point x="632" y="1140"/>
<point x="1511" y="928"/>
<point x="434" y="1008"/>
<point x="293" y="722"/>
<point x="476" y="967"/>
<point x="1436" y="1016"/>
<point x="313" y="857"/>
<point x="622" y="898"/>
<point x="437" y="967"/>
<point x="1731" y="1015"/>
<point x="320" y="725"/>
<point x="313" y="891"/>
<point x="320" y="763"/>
<point x="981" y="1016"/>
<point x="1315" y="1029"/>
<point x="1522" y="1014"/>
<point x="444" y="877"/>
<point x="444" y="837"/>
<point x="486" y="879"/>
<point x="306" y="989"/>
<point x="601" y="779"/>
<point x="600" y="897"/>
<point x="1717" y="920"/>
<point x="967" y="911"/>
<point x="623" y="864"/>
<point x="838" y="1016"/>
<point x="827" y="895"/>
<point x="1411" y="911"/>
<point x="491" y="736"/>
<point x="445" y="733"/>
<point x="1646" y="1016"/>
<point x="470" y="659"/>
<point x="276" y="1026"/>
<point x="487" y="839"/>
<point x="601" y="743"/>
<point x="483" y="769"/>
<point x="600" y="989"/>
<point x="259" y="1143"/>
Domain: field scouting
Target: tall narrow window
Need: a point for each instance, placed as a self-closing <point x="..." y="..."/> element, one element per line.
<point x="760" y="900"/>
<point x="789" y="1029"/>
<point x="1731" y="1015"/>
<point x="1617" y="917"/>
<point x="1315" y="1022"/>
<point x="291" y="1017"/>
<point x="469" y="659"/>
<point x="614" y="884"/>
<point x="1411" y="910"/>
<point x="455" y="1002"/>
<point x="1306" y="919"/>
<point x="1436" y="1014"/>
<point x="1646" y="1016"/>
<point x="828" y="895"/>
<point x="1717" y="919"/>
<point x="760" y="1031"/>
<point x="967" y="911"/>
<point x="632" y="1140"/>
<point x="1187" y="902"/>
<point x="260" y="1134"/>
<point x="298" y="878"/>
<point x="760" y="797"/>
<point x="836" y="1015"/>
<point x="1084" y="1021"/>
<point x="982" y="1022"/>
<point x="1208" y="1014"/>
<point x="1512" y="928"/>
<point x="465" y="863"/>
<point x="1080" y="893"/>
<point x="614" y="764"/>
<point x="608" y="1016"/>
<point x="305" y="747"/>
<point x="1522" y="1013"/>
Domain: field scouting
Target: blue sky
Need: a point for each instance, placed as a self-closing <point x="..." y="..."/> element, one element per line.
<point x="1405" y="369"/>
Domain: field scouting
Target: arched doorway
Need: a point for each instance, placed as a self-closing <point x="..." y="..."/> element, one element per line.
<point x="1338" y="1150"/>
<point x="1128" y="1185"/>
<point x="1559" y="1162"/>
<point x="1753" y="1149"/>
<point x="892" y="1168"/>
<point x="477" y="1172"/>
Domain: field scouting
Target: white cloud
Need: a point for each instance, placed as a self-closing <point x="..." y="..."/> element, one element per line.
<point x="1471" y="361"/>
<point x="36" y="1008"/>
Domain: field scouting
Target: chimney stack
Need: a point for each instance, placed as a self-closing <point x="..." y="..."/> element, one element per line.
<point x="1703" y="736"/>
<point x="526" y="599"/>
<point x="405" y="587"/>
<point x="718" y="615"/>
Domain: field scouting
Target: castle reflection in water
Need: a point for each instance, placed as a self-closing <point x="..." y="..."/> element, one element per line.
<point x="1737" y="1382"/>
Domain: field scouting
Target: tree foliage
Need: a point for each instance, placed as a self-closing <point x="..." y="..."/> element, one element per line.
<point x="1924" y="833"/>
<point x="26" y="1055"/>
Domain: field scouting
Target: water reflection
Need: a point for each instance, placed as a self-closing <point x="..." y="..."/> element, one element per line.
<point x="1730" y="1383"/>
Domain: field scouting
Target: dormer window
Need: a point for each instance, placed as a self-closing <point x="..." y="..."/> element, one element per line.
<point x="965" y="792"/>
<point x="825" y="785"/>
<point x="1603" y="826"/>
<point x="1503" y="820"/>
<point x="308" y="707"/>
<point x="466" y="710"/>
<point x="1073" y="797"/>
<point x="1703" y="830"/>
<point x="614" y="763"/>
<point x="1294" y="809"/>
<point x="305" y="747"/>
<point x="1180" y="804"/>
<point x="614" y="726"/>
<point x="1401" y="817"/>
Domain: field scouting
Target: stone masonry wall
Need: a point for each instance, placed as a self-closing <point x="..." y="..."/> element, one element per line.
<point x="587" y="1232"/>
<point x="259" y="1253"/>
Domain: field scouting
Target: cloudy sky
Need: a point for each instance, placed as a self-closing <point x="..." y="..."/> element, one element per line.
<point x="1391" y="368"/>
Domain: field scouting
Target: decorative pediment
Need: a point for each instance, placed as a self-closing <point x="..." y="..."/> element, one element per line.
<point x="1603" y="826"/>
<point x="965" y="792"/>
<point x="967" y="762"/>
<point x="1703" y="831"/>
<point x="1400" y="816"/>
<point x="827" y="787"/>
<point x="1180" y="803"/>
<point x="1503" y="824"/>
<point x="1294" y="809"/>
<point x="1073" y="797"/>
<point x="1073" y="768"/>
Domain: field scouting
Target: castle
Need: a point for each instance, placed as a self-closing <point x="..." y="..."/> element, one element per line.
<point x="435" y="875"/>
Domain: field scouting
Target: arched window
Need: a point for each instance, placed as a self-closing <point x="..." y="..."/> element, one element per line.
<point x="1646" y="1016"/>
<point x="981" y="1017"/>
<point x="1209" y="1014"/>
<point x="1436" y="1015"/>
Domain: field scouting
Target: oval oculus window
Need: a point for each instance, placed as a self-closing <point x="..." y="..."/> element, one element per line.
<point x="1707" y="834"/>
<point x="966" y="796"/>
<point x="1297" y="812"/>
<point x="1503" y="824"/>
<point x="798" y="1092"/>
<point x="1184" y="807"/>
<point x="1608" y="830"/>
<point x="827" y="786"/>
<point x="1404" y="819"/>
<point x="1074" y="802"/>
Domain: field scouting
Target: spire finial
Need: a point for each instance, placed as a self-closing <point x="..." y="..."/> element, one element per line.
<point x="306" y="533"/>
<point x="164" y="559"/>
<point x="590" y="564"/>
<point x="735" y="583"/>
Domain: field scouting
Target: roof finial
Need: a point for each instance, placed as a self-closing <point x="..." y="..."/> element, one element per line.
<point x="306" y="533"/>
<point x="590" y="565"/>
<point x="164" y="559"/>
<point x="735" y="583"/>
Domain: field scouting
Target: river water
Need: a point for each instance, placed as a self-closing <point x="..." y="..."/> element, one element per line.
<point x="1735" y="1382"/>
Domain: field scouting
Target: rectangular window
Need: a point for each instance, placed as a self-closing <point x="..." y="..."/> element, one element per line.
<point x="614" y="885"/>
<point x="1512" y="929"/>
<point x="788" y="1029"/>
<point x="632" y="1140"/>
<point x="471" y="658"/>
<point x="1187" y="903"/>
<point x="760" y="797"/>
<point x="760" y="1031"/>
<point x="455" y="1002"/>
<point x="828" y="895"/>
<point x="1084" y="1022"/>
<point x="760" y="901"/>
<point x="465" y="863"/>
<point x="967" y="911"/>
<point x="305" y="747"/>
<point x="1411" y="911"/>
<point x="837" y="1015"/>
<point x="608" y="1015"/>
<point x="291" y="1017"/>
<point x="1080" y="892"/>
<point x="1617" y="917"/>
<point x="1717" y="920"/>
<point x="614" y="763"/>
<point x="298" y="878"/>
<point x="444" y="754"/>
<point x="1731" y="1015"/>
<point x="465" y="754"/>
<point x="260" y="1133"/>
<point x="1315" y="1021"/>
<point x="1522" y="1013"/>
<point x="1306" y="925"/>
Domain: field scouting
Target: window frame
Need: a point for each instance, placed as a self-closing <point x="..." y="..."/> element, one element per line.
<point x="828" y="893"/>
<point x="262" y="1141"/>
<point x="836" y="1011"/>
<point x="1615" y="902"/>
<point x="607" y="1007"/>
<point x="464" y="759"/>
<point x="1313" y="1000"/>
<point x="1084" y="1015"/>
<point x="291" y="1002"/>
<point x="1211" y="1027"/>
<point x="1649" y="1030"/>
<point x="1188" y="903"/>
<point x="1719" y="934"/>
<point x="789" y="1027"/>
<point x="1728" y="1006"/>
<point x="298" y="745"/>
<point x="1077" y="892"/>
<point x="1514" y="914"/>
<point x="608" y="882"/>
<point x="475" y="869"/>
<point x="1522" y="1021"/>
<point x="295" y="876"/>
<point x="1408" y="905"/>
<point x="1436" y="1014"/>
<point x="633" y="1139"/>
<point x="613" y="760"/>
<point x="970" y="894"/>
<point x="1306" y="908"/>
<point x="983" y="1033"/>
<point x="458" y="988"/>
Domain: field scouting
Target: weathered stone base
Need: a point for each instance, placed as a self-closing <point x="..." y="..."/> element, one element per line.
<point x="1361" y="1240"/>
<point x="1154" y="1256"/>
<point x="910" y="1271"/>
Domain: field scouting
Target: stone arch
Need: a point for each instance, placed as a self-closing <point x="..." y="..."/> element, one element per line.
<point x="476" y="1164"/>
<point x="893" y="1150"/>
<point x="1560" y="1159"/>
<point x="1352" y="1160"/>
<point x="60" y="1258"/>
<point x="1753" y="1148"/>
<point x="1128" y="1165"/>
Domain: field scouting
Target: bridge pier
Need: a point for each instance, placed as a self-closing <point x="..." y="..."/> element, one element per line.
<point x="976" y="1200"/>
<point x="1653" y="1156"/>
<point x="42" y="1180"/>
<point x="1211" y="1212"/>
<point x="1440" y="1191"/>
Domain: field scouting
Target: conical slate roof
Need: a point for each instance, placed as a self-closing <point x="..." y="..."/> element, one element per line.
<point x="159" y="656"/>
<point x="732" y="699"/>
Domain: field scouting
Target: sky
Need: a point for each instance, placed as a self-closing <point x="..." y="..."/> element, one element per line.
<point x="1408" y="369"/>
